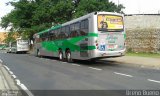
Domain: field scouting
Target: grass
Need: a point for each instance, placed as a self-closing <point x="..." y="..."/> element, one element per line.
<point x="152" y="55"/>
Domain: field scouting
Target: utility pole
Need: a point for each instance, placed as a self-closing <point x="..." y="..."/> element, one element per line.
<point x="158" y="11"/>
<point x="118" y="2"/>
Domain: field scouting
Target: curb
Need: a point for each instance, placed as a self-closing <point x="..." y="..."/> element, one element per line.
<point x="15" y="87"/>
<point x="144" y="66"/>
<point x="136" y="64"/>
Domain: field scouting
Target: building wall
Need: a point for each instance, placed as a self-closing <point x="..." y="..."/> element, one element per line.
<point x="142" y="21"/>
<point x="143" y="33"/>
<point x="2" y="37"/>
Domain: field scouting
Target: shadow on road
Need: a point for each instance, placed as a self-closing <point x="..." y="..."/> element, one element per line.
<point x="97" y="63"/>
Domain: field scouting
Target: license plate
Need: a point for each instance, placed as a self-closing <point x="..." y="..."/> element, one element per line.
<point x="112" y="46"/>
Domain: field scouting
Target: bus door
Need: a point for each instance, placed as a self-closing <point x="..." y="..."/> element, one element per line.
<point x="110" y="33"/>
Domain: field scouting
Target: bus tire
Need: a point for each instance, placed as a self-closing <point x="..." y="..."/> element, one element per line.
<point x="61" y="55"/>
<point x="68" y="56"/>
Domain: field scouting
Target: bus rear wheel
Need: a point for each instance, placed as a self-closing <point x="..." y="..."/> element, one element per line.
<point x="68" y="56"/>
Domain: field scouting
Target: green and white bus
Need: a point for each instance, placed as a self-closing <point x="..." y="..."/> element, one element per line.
<point x="93" y="36"/>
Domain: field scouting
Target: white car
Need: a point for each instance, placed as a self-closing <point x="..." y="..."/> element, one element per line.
<point x="8" y="49"/>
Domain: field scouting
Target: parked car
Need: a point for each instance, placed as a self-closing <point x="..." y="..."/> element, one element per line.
<point x="8" y="49"/>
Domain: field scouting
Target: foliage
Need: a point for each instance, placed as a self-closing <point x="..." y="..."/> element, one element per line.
<point x="31" y="16"/>
<point x="88" y="6"/>
<point x="10" y="37"/>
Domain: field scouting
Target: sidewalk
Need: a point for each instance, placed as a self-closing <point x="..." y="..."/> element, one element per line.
<point x="138" y="61"/>
<point x="8" y="86"/>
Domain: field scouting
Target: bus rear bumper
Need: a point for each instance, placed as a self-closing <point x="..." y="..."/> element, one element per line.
<point x="108" y="54"/>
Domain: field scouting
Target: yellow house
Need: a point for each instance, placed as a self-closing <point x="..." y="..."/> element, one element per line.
<point x="3" y="35"/>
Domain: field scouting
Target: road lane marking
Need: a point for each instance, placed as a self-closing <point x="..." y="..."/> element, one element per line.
<point x="76" y="65"/>
<point x="18" y="82"/>
<point x="26" y="90"/>
<point x="153" y="80"/>
<point x="14" y="76"/>
<point x="6" y="67"/>
<point x="95" y="68"/>
<point x="64" y="62"/>
<point x="123" y="74"/>
<point x="142" y="66"/>
<point x="1" y="61"/>
<point x="157" y="68"/>
<point x="11" y="72"/>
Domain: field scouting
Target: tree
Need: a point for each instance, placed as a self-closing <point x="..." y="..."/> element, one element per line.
<point x="10" y="37"/>
<point x="31" y="16"/>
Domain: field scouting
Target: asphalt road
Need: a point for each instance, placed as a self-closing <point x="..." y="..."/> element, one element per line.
<point x="50" y="74"/>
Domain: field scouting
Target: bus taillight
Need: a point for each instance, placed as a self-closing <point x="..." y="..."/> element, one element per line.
<point x="125" y="43"/>
<point x="96" y="44"/>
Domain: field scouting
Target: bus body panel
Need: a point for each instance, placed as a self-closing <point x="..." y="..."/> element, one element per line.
<point x="95" y="44"/>
<point x="19" y="45"/>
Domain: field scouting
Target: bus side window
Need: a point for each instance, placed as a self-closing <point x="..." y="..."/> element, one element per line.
<point x="67" y="31"/>
<point x="84" y="27"/>
<point x="52" y="35"/>
<point x="42" y="36"/>
<point x="72" y="30"/>
<point x="59" y="33"/>
<point x="63" y="36"/>
<point x="77" y="29"/>
<point x="46" y="36"/>
<point x="56" y="34"/>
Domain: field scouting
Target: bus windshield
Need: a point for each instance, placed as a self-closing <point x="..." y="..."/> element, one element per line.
<point x="110" y="23"/>
<point x="22" y="41"/>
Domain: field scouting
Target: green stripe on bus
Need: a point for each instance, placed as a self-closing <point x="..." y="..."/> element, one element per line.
<point x="93" y="34"/>
<point x="67" y="43"/>
<point x="43" y="31"/>
<point x="125" y="36"/>
<point x="56" y="27"/>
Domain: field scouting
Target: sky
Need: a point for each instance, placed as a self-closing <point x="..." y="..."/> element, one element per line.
<point x="4" y="9"/>
<point x="131" y="7"/>
<point x="140" y="6"/>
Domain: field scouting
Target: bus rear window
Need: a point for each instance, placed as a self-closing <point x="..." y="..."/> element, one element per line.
<point x="110" y="23"/>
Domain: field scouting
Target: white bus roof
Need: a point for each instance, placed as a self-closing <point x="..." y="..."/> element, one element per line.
<point x="88" y="15"/>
